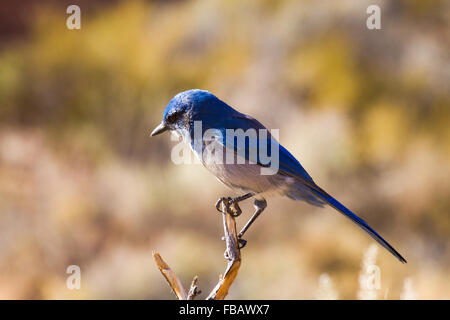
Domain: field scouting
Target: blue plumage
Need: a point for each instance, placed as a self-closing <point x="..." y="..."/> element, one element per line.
<point x="190" y="108"/>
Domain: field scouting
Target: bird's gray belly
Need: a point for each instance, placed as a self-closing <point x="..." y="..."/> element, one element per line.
<point x="239" y="173"/>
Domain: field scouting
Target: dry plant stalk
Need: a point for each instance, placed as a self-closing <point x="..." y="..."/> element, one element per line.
<point x="232" y="254"/>
<point x="170" y="276"/>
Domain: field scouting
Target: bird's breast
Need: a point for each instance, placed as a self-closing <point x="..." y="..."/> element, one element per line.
<point x="236" y="171"/>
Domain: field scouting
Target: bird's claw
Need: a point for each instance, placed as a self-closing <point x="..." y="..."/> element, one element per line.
<point x="223" y="200"/>
<point x="229" y="204"/>
<point x="241" y="243"/>
<point x="236" y="210"/>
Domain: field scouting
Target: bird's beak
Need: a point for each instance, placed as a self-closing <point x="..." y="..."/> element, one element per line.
<point x="159" y="129"/>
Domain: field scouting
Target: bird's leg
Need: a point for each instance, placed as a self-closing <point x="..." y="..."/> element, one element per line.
<point x="228" y="202"/>
<point x="233" y="202"/>
<point x="259" y="205"/>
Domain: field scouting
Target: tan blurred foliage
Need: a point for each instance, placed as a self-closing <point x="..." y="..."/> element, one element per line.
<point x="365" y="111"/>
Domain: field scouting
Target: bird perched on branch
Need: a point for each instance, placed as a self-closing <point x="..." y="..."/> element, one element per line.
<point x="245" y="156"/>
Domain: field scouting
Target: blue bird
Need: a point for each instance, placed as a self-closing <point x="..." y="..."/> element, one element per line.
<point x="206" y="123"/>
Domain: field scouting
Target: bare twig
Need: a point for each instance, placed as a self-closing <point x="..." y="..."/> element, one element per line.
<point x="193" y="291"/>
<point x="232" y="254"/>
<point x="170" y="276"/>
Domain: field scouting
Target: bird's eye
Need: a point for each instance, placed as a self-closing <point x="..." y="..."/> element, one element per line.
<point x="171" y="118"/>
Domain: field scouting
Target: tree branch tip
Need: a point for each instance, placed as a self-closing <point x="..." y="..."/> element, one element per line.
<point x="160" y="261"/>
<point x="232" y="255"/>
<point x="193" y="290"/>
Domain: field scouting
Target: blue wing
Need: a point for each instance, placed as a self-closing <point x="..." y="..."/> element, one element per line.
<point x="253" y="145"/>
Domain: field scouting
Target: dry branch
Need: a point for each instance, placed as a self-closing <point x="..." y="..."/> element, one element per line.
<point x="193" y="291"/>
<point x="232" y="254"/>
<point x="170" y="276"/>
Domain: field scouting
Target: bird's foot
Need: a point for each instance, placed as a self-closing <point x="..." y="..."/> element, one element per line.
<point x="241" y="243"/>
<point x="235" y="209"/>
<point x="230" y="206"/>
<point x="222" y="201"/>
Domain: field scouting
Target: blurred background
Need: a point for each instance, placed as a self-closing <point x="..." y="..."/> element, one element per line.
<point x="81" y="183"/>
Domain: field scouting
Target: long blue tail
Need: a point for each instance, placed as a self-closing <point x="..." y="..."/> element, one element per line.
<point x="360" y="222"/>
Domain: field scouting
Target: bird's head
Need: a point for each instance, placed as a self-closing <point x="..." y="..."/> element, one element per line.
<point x="180" y="111"/>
